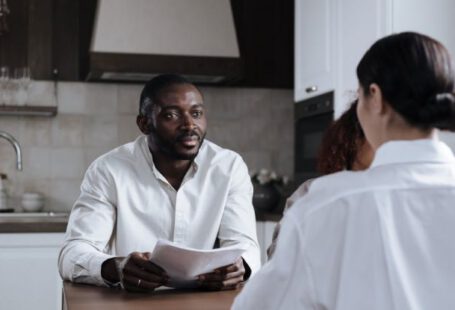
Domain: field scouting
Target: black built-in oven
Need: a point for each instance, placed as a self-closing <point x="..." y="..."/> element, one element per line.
<point x="312" y="117"/>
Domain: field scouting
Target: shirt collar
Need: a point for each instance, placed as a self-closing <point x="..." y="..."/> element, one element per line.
<point x="406" y="151"/>
<point x="198" y="159"/>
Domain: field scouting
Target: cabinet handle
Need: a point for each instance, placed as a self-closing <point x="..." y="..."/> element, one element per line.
<point x="311" y="89"/>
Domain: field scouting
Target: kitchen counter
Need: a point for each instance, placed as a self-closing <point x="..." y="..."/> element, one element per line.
<point x="86" y="297"/>
<point x="44" y="222"/>
<point x="56" y="222"/>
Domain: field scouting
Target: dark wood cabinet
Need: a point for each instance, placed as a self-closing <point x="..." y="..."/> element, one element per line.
<point x="52" y="37"/>
<point x="44" y="35"/>
<point x="265" y="29"/>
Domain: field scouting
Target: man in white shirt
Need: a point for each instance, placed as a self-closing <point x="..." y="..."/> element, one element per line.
<point x="169" y="184"/>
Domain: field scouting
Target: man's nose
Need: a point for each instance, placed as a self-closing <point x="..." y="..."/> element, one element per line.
<point x="188" y="122"/>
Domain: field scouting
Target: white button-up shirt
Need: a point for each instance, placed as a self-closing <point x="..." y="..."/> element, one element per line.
<point x="376" y="239"/>
<point x="126" y="205"/>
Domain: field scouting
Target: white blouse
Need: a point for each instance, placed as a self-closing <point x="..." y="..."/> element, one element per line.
<point x="375" y="239"/>
<point x="126" y="205"/>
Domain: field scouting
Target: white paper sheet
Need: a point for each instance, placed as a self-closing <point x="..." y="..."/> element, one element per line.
<point x="184" y="264"/>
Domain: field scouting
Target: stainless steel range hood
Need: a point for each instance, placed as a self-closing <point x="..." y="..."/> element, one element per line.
<point x="136" y="39"/>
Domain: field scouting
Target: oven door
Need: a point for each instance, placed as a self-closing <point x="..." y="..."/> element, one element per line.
<point x="313" y="117"/>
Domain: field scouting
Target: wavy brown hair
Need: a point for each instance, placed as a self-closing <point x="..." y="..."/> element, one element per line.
<point x="340" y="143"/>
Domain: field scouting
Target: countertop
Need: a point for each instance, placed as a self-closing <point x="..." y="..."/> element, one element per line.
<point x="43" y="222"/>
<point x="86" y="297"/>
<point x="56" y="222"/>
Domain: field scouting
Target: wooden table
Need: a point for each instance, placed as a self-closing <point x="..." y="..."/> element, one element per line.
<point x="86" y="297"/>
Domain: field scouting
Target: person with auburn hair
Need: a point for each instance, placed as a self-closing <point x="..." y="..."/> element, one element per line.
<point x="343" y="147"/>
<point x="379" y="238"/>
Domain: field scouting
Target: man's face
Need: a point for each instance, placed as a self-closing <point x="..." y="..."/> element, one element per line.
<point x="178" y="122"/>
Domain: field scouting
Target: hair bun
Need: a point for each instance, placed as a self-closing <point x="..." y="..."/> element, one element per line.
<point x="439" y="111"/>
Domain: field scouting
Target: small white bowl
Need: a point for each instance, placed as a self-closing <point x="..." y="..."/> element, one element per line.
<point x="32" y="195"/>
<point x="32" y="202"/>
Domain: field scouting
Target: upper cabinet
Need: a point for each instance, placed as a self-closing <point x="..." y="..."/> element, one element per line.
<point x="44" y="36"/>
<point x="434" y="18"/>
<point x="361" y="23"/>
<point x="53" y="38"/>
<point x="265" y="30"/>
<point x="314" y="52"/>
<point x="349" y="28"/>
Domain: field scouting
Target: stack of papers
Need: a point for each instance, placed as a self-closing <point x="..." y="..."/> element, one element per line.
<point x="184" y="264"/>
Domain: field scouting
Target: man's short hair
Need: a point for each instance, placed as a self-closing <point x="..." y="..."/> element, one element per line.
<point x="154" y="87"/>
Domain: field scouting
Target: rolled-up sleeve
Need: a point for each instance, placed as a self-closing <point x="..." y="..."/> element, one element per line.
<point x="90" y="228"/>
<point x="238" y="223"/>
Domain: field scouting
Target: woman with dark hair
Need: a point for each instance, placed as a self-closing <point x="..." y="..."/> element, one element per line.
<point x="379" y="238"/>
<point x="343" y="147"/>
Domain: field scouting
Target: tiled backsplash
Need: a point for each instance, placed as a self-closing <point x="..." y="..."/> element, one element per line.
<point x="94" y="118"/>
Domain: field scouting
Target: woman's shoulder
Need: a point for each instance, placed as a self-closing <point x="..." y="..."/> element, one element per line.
<point x="324" y="190"/>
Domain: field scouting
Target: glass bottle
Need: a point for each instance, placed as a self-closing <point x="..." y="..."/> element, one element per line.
<point x="3" y="192"/>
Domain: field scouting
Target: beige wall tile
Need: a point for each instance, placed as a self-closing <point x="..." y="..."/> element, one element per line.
<point x="67" y="163"/>
<point x="72" y="98"/>
<point x="67" y="130"/>
<point x="87" y="98"/>
<point x="10" y="124"/>
<point x="257" y="160"/>
<point x="36" y="131"/>
<point x="42" y="93"/>
<point x="127" y="129"/>
<point x="37" y="162"/>
<point x="63" y="194"/>
<point x="128" y="98"/>
<point x="100" y="130"/>
<point x="101" y="99"/>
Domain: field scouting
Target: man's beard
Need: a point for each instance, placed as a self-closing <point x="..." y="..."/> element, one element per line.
<point x="168" y="147"/>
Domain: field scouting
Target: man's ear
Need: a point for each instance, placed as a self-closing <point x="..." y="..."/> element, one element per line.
<point x="144" y="124"/>
<point x="377" y="104"/>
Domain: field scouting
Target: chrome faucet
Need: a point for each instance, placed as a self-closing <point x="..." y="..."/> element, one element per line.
<point x="16" y="146"/>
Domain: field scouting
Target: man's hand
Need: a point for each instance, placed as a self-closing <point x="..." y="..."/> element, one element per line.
<point x="135" y="272"/>
<point x="224" y="278"/>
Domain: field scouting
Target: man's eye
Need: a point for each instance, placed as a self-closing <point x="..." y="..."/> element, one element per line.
<point x="170" y="115"/>
<point x="197" y="114"/>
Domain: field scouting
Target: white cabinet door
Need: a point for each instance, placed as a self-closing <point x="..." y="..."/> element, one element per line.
<point x="265" y="233"/>
<point x="314" y="32"/>
<point x="361" y="23"/>
<point x="430" y="17"/>
<point x="29" y="276"/>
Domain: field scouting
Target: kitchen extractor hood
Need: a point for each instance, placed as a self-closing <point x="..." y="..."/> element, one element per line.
<point x="135" y="40"/>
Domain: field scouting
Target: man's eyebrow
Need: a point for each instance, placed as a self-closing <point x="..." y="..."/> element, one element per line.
<point x="198" y="105"/>
<point x="170" y="107"/>
<point x="177" y="107"/>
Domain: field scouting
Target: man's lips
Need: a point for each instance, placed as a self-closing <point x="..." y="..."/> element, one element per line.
<point x="189" y="140"/>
